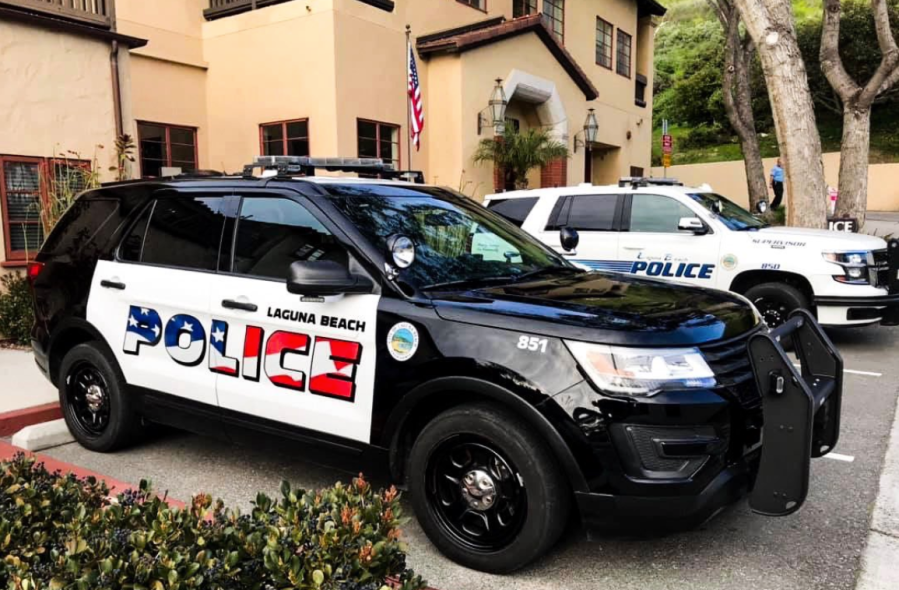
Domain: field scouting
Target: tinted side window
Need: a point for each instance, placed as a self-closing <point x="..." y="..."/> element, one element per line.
<point x="133" y="244"/>
<point x="593" y="212"/>
<point x="515" y="210"/>
<point x="81" y="224"/>
<point x="184" y="232"/>
<point x="657" y="214"/>
<point x="273" y="233"/>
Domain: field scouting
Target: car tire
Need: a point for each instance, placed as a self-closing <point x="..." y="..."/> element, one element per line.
<point x="776" y="301"/>
<point x="94" y="400"/>
<point x="475" y="449"/>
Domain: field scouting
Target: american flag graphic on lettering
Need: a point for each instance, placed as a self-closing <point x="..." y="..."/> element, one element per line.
<point x="417" y="124"/>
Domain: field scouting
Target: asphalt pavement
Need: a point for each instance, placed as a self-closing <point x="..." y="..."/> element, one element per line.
<point x="819" y="547"/>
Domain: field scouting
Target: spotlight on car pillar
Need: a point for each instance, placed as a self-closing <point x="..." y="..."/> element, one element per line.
<point x="762" y="207"/>
<point x="402" y="249"/>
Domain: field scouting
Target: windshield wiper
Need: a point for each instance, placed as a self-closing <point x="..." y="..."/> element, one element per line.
<point x="546" y="270"/>
<point x="468" y="283"/>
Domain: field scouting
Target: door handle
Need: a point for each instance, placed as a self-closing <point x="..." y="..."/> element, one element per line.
<point x="112" y="285"/>
<point x="231" y="304"/>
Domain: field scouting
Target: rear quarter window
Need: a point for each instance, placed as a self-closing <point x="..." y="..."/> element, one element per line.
<point x="89" y="221"/>
<point x="515" y="210"/>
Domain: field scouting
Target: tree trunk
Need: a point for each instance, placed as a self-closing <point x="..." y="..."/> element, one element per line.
<point x="737" y="93"/>
<point x="857" y="101"/>
<point x="854" y="148"/>
<point x="770" y="23"/>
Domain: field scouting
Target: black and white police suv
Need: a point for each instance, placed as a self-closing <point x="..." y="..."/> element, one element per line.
<point x="660" y="228"/>
<point x="409" y="326"/>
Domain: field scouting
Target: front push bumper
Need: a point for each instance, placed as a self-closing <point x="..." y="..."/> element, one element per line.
<point x="884" y="309"/>
<point x="801" y="420"/>
<point x="801" y="408"/>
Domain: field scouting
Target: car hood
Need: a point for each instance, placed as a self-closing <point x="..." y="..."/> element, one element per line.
<point x="605" y="308"/>
<point x="799" y="237"/>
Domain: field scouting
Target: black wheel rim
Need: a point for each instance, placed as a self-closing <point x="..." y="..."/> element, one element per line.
<point x="774" y="311"/>
<point x="87" y="397"/>
<point x="476" y="494"/>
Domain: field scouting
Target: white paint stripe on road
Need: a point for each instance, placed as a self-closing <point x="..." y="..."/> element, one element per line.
<point x="853" y="371"/>
<point x="839" y="457"/>
<point x="868" y="373"/>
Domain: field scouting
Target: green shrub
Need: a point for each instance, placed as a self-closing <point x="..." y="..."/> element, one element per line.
<point x="60" y="532"/>
<point x="16" y="311"/>
<point x="704" y="136"/>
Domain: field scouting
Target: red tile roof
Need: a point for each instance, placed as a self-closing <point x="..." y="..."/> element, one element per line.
<point x="493" y="31"/>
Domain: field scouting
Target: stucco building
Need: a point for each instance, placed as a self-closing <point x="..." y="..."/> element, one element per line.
<point x="208" y="84"/>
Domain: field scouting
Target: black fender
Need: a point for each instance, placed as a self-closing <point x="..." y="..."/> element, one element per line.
<point x="70" y="332"/>
<point x="474" y="389"/>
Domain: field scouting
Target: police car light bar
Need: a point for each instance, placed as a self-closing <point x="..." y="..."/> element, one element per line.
<point x="638" y="181"/>
<point x="306" y="166"/>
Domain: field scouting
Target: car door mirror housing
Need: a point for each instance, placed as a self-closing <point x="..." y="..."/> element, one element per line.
<point x="569" y="238"/>
<point x="692" y="224"/>
<point x="321" y="278"/>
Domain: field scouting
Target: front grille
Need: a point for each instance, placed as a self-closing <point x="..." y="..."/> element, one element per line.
<point x="729" y="360"/>
<point x="880" y="271"/>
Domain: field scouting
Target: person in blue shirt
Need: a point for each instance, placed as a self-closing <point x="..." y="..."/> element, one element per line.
<point x="777" y="184"/>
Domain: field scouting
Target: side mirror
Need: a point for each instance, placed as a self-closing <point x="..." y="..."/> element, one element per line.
<point x="322" y="278"/>
<point x="569" y="238"/>
<point x="761" y="207"/>
<point x="692" y="224"/>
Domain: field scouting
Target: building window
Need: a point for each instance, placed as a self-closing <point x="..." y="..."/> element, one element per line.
<point x="379" y="140"/>
<point x="166" y="146"/>
<point x="26" y="185"/>
<point x="523" y="8"/>
<point x="624" y="54"/>
<point x="479" y="4"/>
<point x="285" y="138"/>
<point x="554" y="17"/>
<point x="604" y="41"/>
<point x="636" y="172"/>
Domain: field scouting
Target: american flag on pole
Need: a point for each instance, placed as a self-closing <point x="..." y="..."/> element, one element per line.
<point x="417" y="112"/>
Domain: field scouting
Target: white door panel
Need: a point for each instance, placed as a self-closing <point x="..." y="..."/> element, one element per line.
<point x="156" y="325"/>
<point x="306" y="364"/>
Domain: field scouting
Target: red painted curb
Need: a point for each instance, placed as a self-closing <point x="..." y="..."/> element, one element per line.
<point x="8" y="451"/>
<point x="12" y="422"/>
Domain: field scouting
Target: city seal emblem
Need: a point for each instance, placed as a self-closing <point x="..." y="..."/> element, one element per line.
<point x="402" y="341"/>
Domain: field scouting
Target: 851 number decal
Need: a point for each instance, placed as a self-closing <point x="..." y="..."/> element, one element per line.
<point x="532" y="343"/>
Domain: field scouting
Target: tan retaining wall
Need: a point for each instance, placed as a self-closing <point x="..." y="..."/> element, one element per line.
<point x="729" y="179"/>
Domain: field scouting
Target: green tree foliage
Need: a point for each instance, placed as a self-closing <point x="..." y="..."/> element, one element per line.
<point x="689" y="61"/>
<point x="16" y="312"/>
<point x="62" y="533"/>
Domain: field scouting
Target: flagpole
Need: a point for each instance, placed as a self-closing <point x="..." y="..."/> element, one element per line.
<point x="408" y="98"/>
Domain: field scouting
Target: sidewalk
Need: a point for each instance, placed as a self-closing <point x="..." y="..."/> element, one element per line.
<point x="882" y="223"/>
<point x="880" y="561"/>
<point x="26" y="397"/>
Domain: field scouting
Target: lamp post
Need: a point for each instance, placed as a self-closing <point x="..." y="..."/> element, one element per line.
<point x="590" y="133"/>
<point x="495" y="113"/>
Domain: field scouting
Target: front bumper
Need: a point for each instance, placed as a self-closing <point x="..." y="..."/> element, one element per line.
<point x="884" y="309"/>
<point x="787" y="416"/>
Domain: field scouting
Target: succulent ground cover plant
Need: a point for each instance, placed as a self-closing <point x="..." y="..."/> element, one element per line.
<point x="61" y="532"/>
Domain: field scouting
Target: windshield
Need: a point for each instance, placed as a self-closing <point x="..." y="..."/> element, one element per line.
<point x="730" y="214"/>
<point x="456" y="240"/>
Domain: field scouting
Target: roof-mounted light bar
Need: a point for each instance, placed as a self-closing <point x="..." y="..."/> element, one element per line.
<point x="638" y="181"/>
<point x="306" y="166"/>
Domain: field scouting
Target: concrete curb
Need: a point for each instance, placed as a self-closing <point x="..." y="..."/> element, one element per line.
<point x="12" y="422"/>
<point x="879" y="570"/>
<point x="38" y="437"/>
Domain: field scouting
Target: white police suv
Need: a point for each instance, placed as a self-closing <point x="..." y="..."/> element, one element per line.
<point x="405" y="326"/>
<point x="659" y="228"/>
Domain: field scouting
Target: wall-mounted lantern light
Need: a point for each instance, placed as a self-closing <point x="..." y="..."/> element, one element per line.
<point x="590" y="132"/>
<point x="495" y="113"/>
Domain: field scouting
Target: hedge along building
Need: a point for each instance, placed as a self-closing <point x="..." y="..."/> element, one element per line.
<point x="208" y="84"/>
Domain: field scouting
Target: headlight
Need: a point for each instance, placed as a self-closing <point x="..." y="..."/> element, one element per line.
<point x="855" y="266"/>
<point x="642" y="371"/>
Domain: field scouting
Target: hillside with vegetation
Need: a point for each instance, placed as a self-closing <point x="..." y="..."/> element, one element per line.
<point x="689" y="61"/>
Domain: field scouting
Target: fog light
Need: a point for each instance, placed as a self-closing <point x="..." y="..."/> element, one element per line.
<point x="855" y="272"/>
